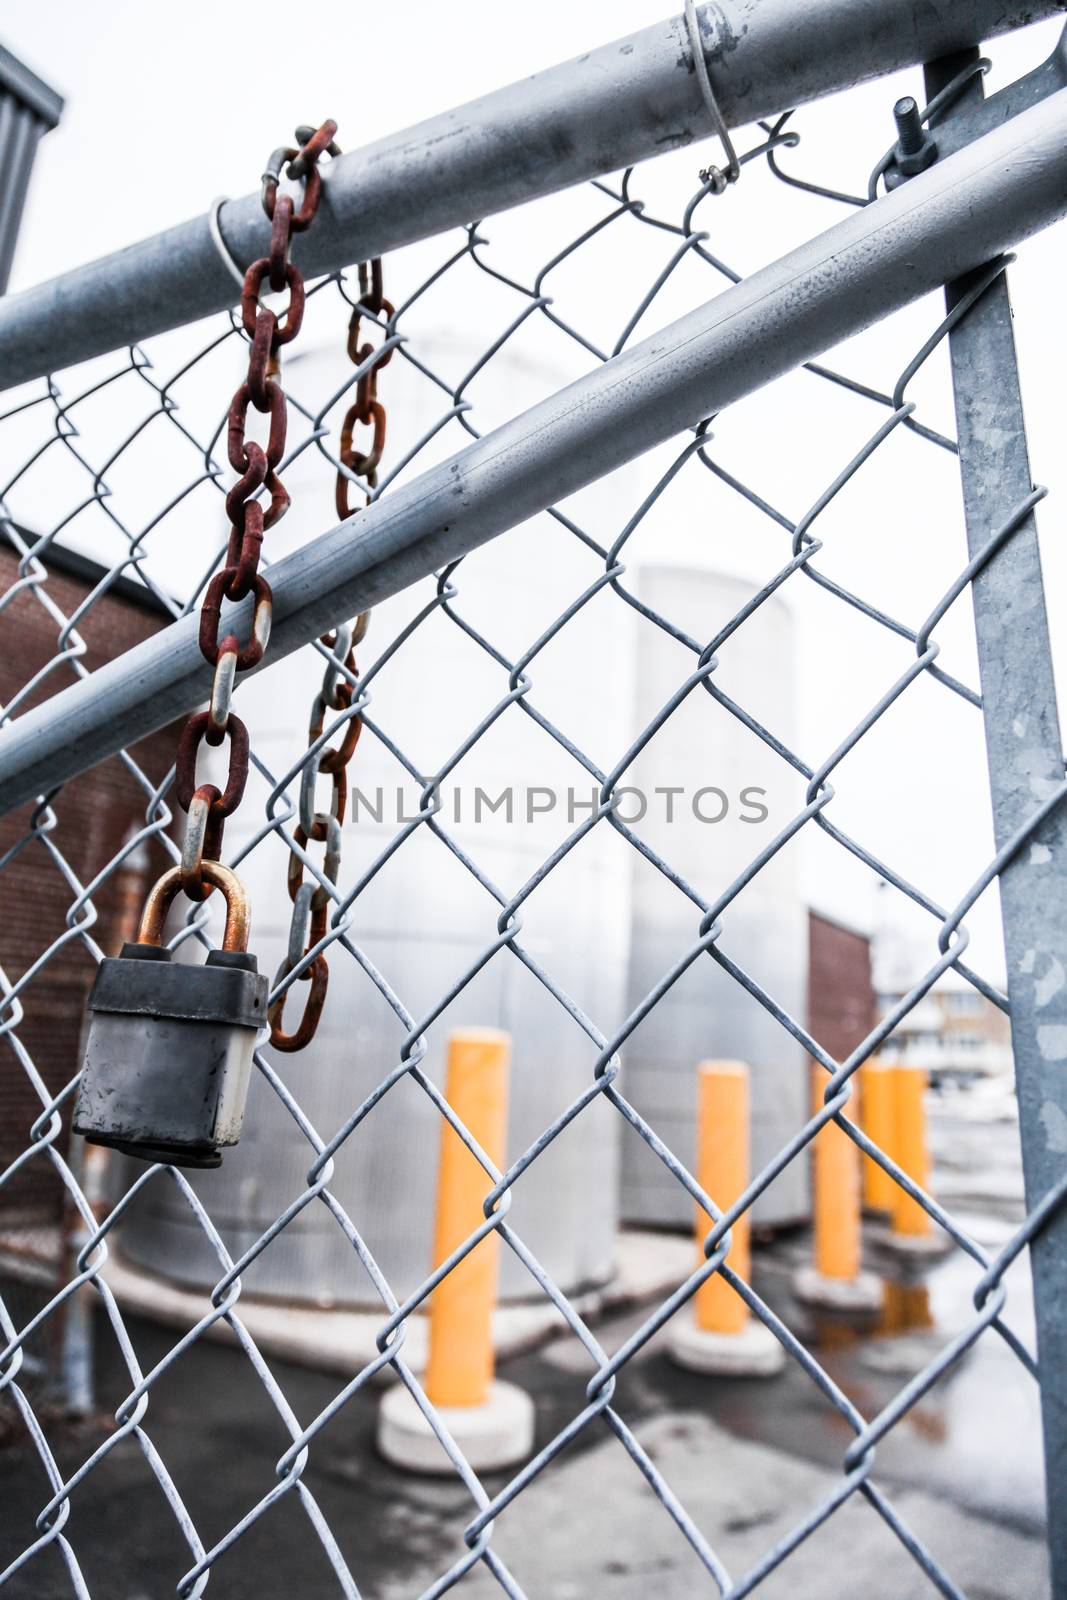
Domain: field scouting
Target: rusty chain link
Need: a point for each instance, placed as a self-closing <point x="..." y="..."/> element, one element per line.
<point x="366" y="410"/>
<point x="208" y="806"/>
<point x="308" y="925"/>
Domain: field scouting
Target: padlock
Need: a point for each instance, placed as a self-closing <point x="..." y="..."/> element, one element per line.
<point x="169" y="1049"/>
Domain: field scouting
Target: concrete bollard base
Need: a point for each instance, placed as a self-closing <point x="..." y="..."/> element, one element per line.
<point x="492" y="1436"/>
<point x="915" y="1247"/>
<point x="752" y="1353"/>
<point x="861" y="1293"/>
<point x="901" y="1355"/>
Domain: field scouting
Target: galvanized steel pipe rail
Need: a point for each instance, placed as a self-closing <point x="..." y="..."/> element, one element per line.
<point x="612" y="107"/>
<point x="938" y="226"/>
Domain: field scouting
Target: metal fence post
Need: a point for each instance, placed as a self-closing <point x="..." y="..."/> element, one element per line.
<point x="28" y="109"/>
<point x="1026" y="765"/>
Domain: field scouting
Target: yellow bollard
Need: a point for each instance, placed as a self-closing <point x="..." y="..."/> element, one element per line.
<point x="722" y="1172"/>
<point x="836" y="1195"/>
<point x="719" y="1336"/>
<point x="491" y="1422"/>
<point x="460" y="1366"/>
<point x="876" y="1111"/>
<point x="835" y="1280"/>
<point x="909" y="1219"/>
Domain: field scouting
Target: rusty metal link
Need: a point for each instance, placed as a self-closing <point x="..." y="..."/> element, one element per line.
<point x="259" y="472"/>
<point x="302" y="163"/>
<point x="208" y="807"/>
<point x="366" y="409"/>
<point x="242" y="552"/>
<point x="314" y="822"/>
<point x="310" y="906"/>
<point x="211" y="646"/>
<point x="322" y="827"/>
<point x="319" y="975"/>
<point x="341" y="642"/>
<point x="334" y="760"/>
<point x="192" y="735"/>
<point x="330" y="867"/>
<point x="307" y="928"/>
<point x="313" y="143"/>
<point x="252" y="312"/>
<point x="218" y="712"/>
<point x="203" y="839"/>
<point x="239" y="450"/>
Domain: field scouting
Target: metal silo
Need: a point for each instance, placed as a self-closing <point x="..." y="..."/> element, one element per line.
<point x="708" y="755"/>
<point x="422" y="922"/>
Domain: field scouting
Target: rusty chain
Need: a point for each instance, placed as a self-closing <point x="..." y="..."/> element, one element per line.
<point x="208" y="806"/>
<point x="311" y="903"/>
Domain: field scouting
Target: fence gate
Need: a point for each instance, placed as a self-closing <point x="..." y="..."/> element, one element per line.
<point x="622" y="370"/>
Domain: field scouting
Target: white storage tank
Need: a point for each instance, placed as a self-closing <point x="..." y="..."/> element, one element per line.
<point x="424" y="920"/>
<point x="734" y="795"/>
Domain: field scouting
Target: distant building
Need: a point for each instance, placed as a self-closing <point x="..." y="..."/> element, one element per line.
<point x="841" y="1001"/>
<point x="98" y="811"/>
<point x="954" y="1032"/>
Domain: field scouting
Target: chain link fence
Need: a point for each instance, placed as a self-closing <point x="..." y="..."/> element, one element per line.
<point x="834" y="490"/>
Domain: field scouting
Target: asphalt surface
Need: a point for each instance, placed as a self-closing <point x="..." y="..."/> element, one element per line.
<point x="748" y="1458"/>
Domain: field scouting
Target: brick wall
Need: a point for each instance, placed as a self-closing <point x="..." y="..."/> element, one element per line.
<point x="95" y="814"/>
<point x="841" y="1001"/>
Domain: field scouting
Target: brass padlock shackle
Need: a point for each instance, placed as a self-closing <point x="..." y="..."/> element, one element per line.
<point x="238" y="912"/>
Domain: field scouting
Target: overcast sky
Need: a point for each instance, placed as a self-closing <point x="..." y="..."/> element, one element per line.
<point x="186" y="100"/>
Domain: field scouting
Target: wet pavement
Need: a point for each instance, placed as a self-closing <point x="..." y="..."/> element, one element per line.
<point x="748" y="1458"/>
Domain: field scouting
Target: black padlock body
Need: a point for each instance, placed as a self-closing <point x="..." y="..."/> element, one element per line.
<point x="169" y="1052"/>
<point x="145" y="981"/>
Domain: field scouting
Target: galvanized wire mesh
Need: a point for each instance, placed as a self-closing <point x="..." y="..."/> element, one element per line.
<point x="121" y="460"/>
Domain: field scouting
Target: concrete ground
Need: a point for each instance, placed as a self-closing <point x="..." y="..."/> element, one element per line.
<point x="747" y="1459"/>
